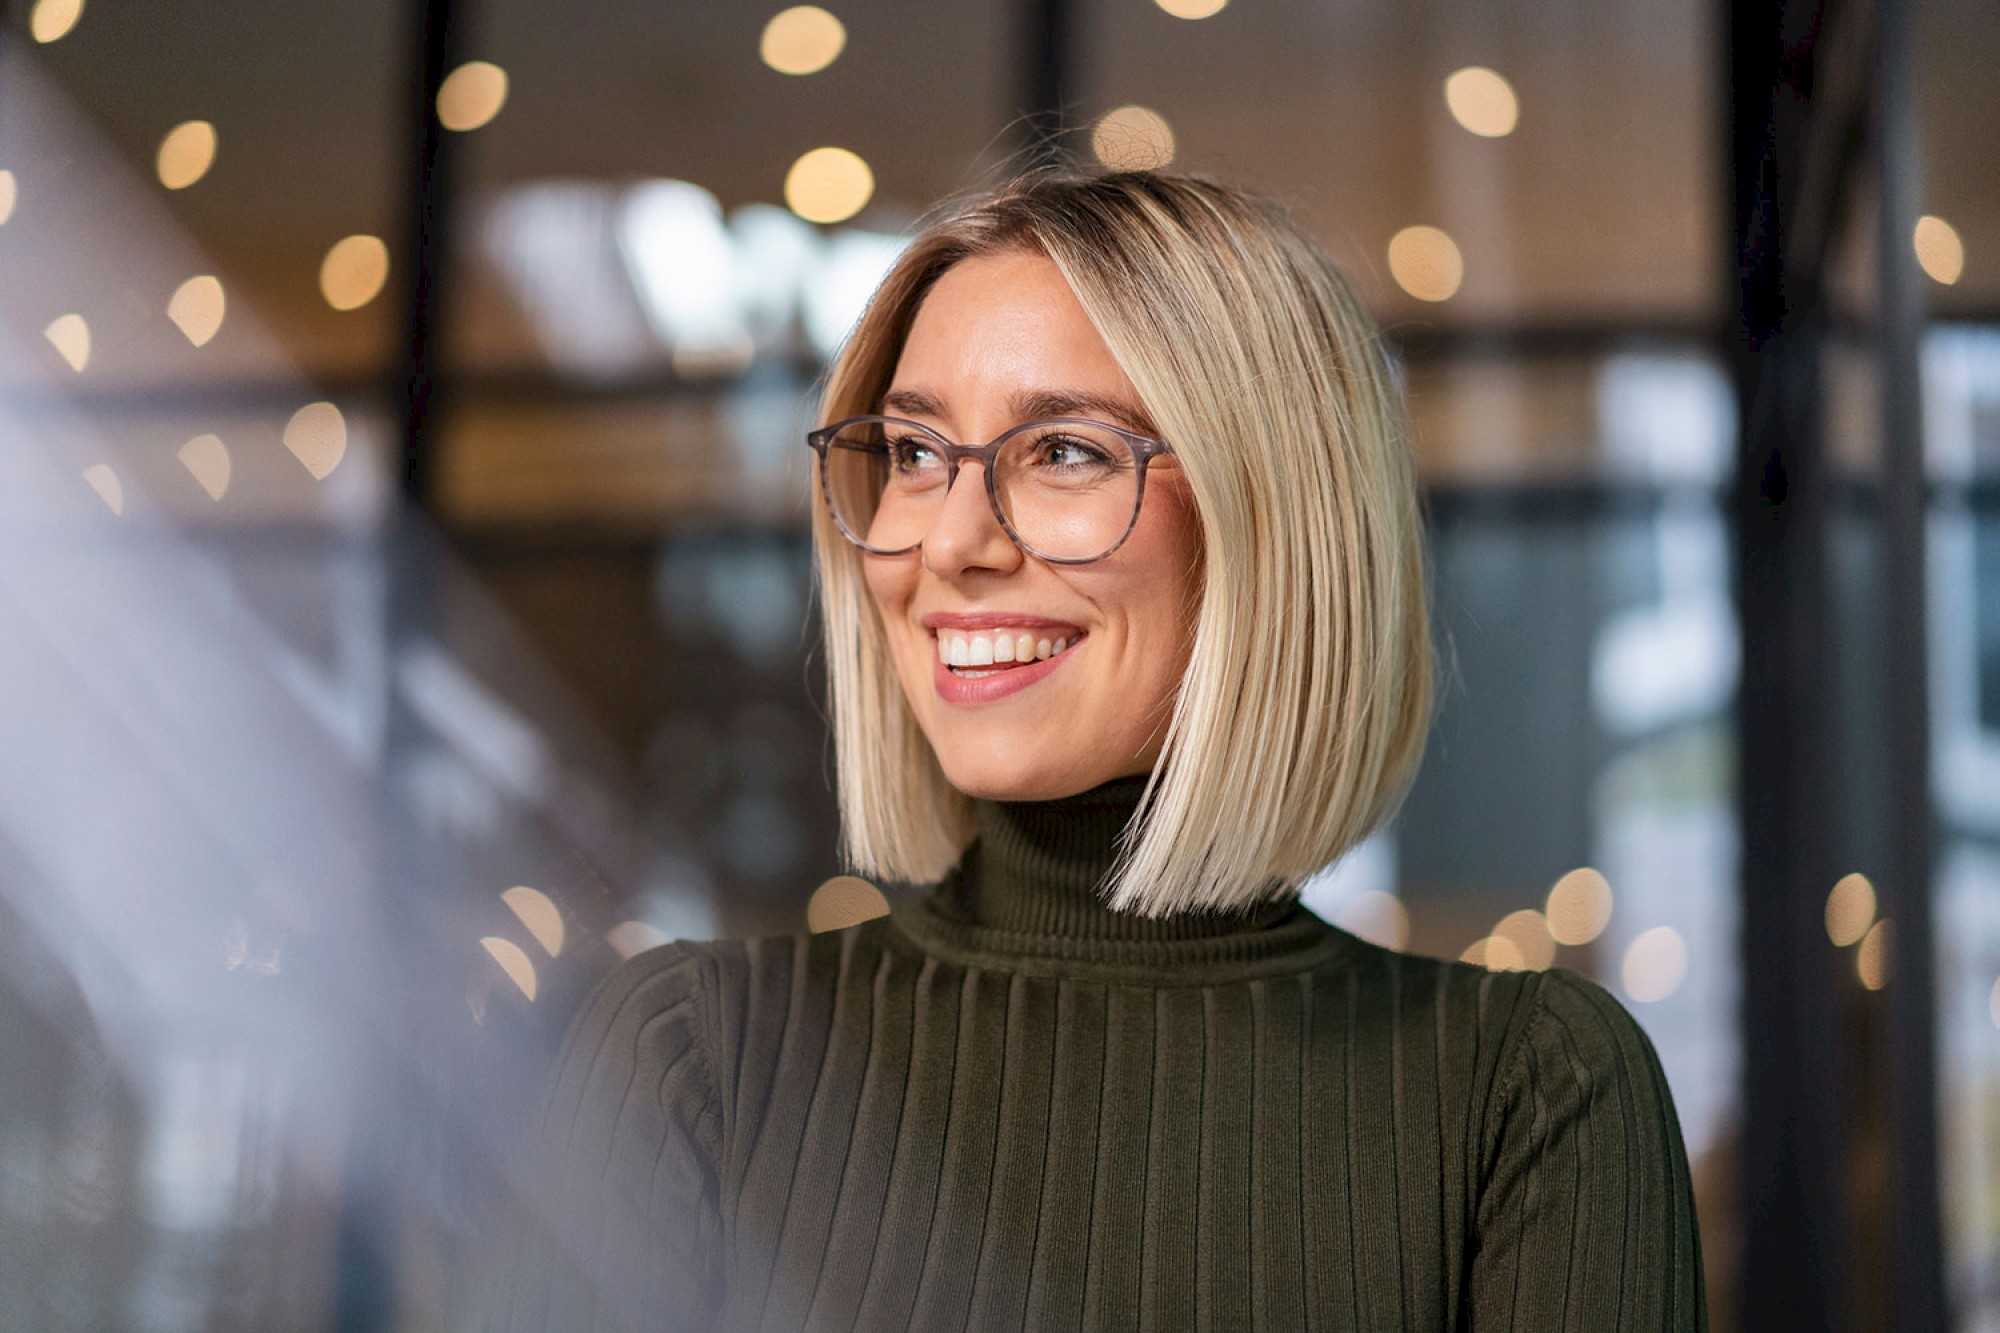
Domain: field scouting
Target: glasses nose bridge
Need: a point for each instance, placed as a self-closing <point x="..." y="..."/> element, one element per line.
<point x="956" y="456"/>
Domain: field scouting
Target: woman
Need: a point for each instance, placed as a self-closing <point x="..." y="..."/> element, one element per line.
<point x="1118" y="545"/>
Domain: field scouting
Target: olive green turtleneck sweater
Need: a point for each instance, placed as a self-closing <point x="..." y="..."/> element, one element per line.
<point x="1005" y="1106"/>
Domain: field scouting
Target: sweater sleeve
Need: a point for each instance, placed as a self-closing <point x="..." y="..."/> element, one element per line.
<point x="621" y="1226"/>
<point x="1586" y="1216"/>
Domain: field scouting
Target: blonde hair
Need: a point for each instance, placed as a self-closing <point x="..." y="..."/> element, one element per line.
<point x="1302" y="716"/>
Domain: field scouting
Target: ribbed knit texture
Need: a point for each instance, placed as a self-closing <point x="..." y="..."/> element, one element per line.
<point x="1004" y="1106"/>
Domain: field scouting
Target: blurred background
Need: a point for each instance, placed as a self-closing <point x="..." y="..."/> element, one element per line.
<point x="405" y="605"/>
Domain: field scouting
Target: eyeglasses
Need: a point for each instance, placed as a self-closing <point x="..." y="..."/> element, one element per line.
<point x="1067" y="490"/>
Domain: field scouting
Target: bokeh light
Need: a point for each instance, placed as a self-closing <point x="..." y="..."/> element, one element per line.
<point x="1528" y="931"/>
<point x="828" y="185"/>
<point x="353" y="272"/>
<point x="1482" y="101"/>
<point x="1495" y="953"/>
<point x="1426" y="263"/>
<point x="804" y="39"/>
<point x="1656" y="962"/>
<point x="9" y="192"/>
<point x="1376" y="916"/>
<point x="513" y="960"/>
<point x="104" y="481"/>
<point x="471" y="95"/>
<point x="197" y="308"/>
<point x="1873" y="959"/>
<point x="317" y="437"/>
<point x="1850" y="909"/>
<point x="1579" y="906"/>
<point x="1940" y="252"/>
<point x="538" y="914"/>
<point x="629" y="938"/>
<point x="186" y="154"/>
<point x="1192" y="9"/>
<point x="843" y="901"/>
<point x="51" y="20"/>
<point x="1133" y="138"/>
<point x="206" y="458"/>
<point x="70" y="336"/>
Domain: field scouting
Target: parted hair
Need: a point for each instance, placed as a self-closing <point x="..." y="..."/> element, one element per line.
<point x="1302" y="716"/>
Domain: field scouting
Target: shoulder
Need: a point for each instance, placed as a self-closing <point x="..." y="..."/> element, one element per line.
<point x="648" y="1023"/>
<point x="1579" y="1070"/>
<point x="1509" y="1034"/>
<point x="1574" y="1030"/>
<point x="702" y="999"/>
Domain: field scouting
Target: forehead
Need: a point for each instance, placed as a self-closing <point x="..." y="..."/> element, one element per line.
<point x="1000" y="331"/>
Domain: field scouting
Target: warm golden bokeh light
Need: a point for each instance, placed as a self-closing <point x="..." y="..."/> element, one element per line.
<point x="1495" y="953"/>
<point x="1655" y="964"/>
<point x="1579" y="906"/>
<point x="105" y="482"/>
<point x="9" y="192"/>
<point x="197" y="307"/>
<point x="513" y="960"/>
<point x="1528" y="931"/>
<point x="70" y="336"/>
<point x="1482" y="101"/>
<point x="207" y="458"/>
<point x="828" y="185"/>
<point x="353" y="272"/>
<point x="843" y="901"/>
<point x="804" y="39"/>
<point x="317" y="437"/>
<point x="538" y="914"/>
<point x="1850" y="909"/>
<point x="1426" y="263"/>
<point x="1376" y="916"/>
<point x="630" y="938"/>
<point x="51" y="20"/>
<point x="186" y="154"/>
<point x="1940" y="252"/>
<point x="471" y="95"/>
<point x="1192" y="9"/>
<point x="1133" y="138"/>
<point x="1874" y="958"/>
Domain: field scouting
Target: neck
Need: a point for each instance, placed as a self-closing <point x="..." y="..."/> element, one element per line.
<point x="1041" y="868"/>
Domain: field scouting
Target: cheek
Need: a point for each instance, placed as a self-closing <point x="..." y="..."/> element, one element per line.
<point x="890" y="581"/>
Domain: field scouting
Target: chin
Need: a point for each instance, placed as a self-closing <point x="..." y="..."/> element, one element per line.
<point x="988" y="777"/>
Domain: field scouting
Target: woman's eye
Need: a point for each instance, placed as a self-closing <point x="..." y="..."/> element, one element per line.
<point x="1068" y="452"/>
<point x="910" y="455"/>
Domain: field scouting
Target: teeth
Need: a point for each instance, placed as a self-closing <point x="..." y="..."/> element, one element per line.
<point x="983" y="648"/>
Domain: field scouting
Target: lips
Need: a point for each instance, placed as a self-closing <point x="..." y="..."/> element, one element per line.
<point x="986" y="655"/>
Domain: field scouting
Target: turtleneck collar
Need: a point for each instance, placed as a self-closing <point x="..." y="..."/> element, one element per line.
<point x="1031" y="884"/>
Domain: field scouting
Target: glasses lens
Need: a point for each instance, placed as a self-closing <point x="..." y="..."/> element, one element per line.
<point x="884" y="481"/>
<point x="1070" y="489"/>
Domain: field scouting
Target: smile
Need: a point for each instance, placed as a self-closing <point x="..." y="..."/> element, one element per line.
<point x="984" y="665"/>
<point x="1002" y="649"/>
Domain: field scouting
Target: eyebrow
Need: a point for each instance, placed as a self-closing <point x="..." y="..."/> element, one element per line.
<point x="1034" y="405"/>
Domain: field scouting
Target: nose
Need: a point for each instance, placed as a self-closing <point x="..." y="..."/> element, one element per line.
<point x="966" y="534"/>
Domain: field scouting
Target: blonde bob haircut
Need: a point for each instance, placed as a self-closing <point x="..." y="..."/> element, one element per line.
<point x="1303" y="713"/>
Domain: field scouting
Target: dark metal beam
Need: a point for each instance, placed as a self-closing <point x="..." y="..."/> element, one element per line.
<point x="1793" y="1130"/>
<point x="1048" y="79"/>
<point x="1907" y="1041"/>
<point x="426" y="249"/>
